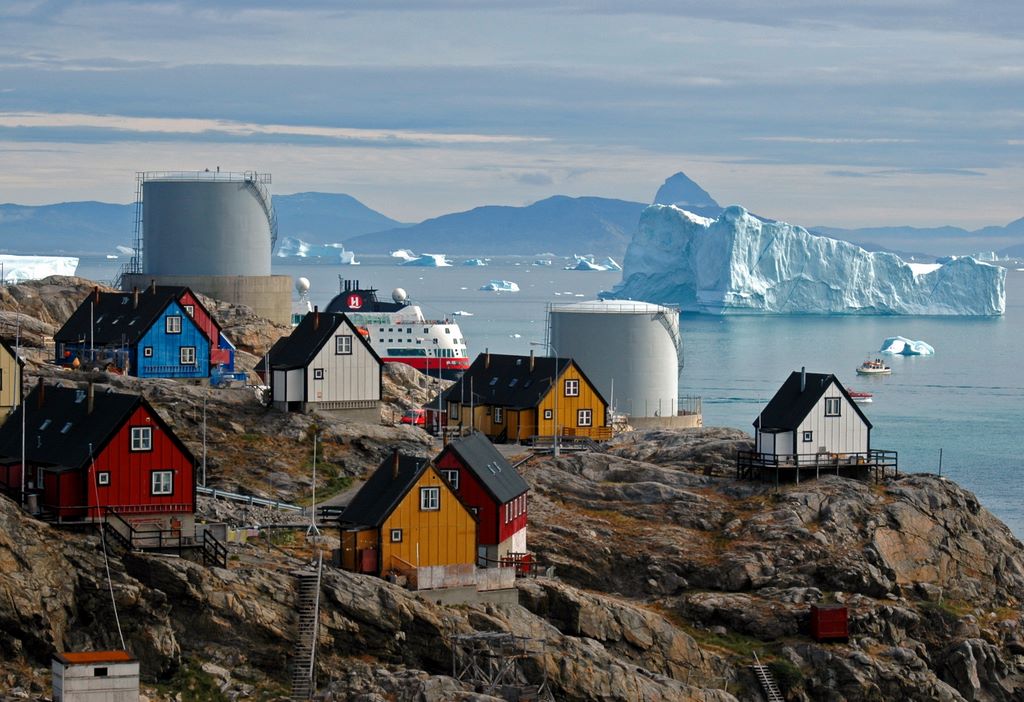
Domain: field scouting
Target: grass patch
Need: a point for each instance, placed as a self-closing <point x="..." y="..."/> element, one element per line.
<point x="190" y="683"/>
<point x="787" y="675"/>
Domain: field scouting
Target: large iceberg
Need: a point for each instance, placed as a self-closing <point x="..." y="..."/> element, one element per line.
<point x="738" y="264"/>
<point x="906" y="347"/>
<point x="427" y="261"/>
<point x="14" y="269"/>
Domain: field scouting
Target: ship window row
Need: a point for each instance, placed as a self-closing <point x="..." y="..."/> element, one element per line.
<point x="408" y="330"/>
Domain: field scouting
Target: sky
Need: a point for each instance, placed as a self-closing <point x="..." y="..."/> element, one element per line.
<point x="853" y="113"/>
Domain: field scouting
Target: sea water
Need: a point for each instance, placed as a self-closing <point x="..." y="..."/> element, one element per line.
<point x="965" y="401"/>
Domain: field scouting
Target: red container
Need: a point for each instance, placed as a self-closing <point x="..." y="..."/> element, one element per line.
<point x="829" y="623"/>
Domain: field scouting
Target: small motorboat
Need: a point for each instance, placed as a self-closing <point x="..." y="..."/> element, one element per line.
<point x="861" y="397"/>
<point x="874" y="367"/>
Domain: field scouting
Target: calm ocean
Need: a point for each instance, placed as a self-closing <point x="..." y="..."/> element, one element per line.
<point x="965" y="400"/>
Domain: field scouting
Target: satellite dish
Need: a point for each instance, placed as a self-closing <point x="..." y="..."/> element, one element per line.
<point x="302" y="286"/>
<point x="399" y="295"/>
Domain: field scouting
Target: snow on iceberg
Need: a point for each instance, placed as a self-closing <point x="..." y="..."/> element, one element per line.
<point x="15" y="269"/>
<point x="404" y="254"/>
<point x="610" y="264"/>
<point x="500" y="286"/>
<point x="737" y="264"/>
<point x="906" y="347"/>
<point x="474" y="262"/>
<point x="427" y="260"/>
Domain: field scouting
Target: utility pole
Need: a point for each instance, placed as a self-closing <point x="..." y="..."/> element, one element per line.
<point x="312" y="513"/>
<point x="207" y="392"/>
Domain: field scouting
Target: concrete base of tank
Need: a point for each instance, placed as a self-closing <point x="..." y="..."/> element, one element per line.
<point x="680" y="421"/>
<point x="269" y="296"/>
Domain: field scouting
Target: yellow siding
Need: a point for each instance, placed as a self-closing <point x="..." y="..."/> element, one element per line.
<point x="445" y="536"/>
<point x="10" y="383"/>
<point x="569" y="407"/>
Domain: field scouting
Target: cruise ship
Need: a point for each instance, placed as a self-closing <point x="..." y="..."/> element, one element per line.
<point x="399" y="332"/>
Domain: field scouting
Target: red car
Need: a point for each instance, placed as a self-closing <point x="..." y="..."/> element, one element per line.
<point x="416" y="417"/>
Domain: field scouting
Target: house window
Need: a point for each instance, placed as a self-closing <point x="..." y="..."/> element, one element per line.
<point x="103" y="477"/>
<point x="584" y="418"/>
<point x="832" y="406"/>
<point x="99" y="672"/>
<point x="147" y="351"/>
<point x="190" y="310"/>
<point x="187" y="355"/>
<point x="548" y="414"/>
<point x="162" y="482"/>
<point x="808" y="437"/>
<point x="452" y="476"/>
<point x="430" y="499"/>
<point x="142" y="438"/>
<point x="454" y="411"/>
<point x="173" y="324"/>
<point x="343" y="344"/>
<point x="318" y="374"/>
<point x="572" y="387"/>
<point x="396" y="536"/>
<point x="499" y="415"/>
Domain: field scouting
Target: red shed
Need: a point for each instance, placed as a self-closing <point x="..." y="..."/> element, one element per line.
<point x="829" y="623"/>
<point x="91" y="452"/>
<point x="486" y="482"/>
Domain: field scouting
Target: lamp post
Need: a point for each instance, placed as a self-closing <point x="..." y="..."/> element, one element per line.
<point x="554" y="386"/>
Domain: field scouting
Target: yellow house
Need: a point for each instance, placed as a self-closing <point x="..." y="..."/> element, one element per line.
<point x="11" y="368"/>
<point x="513" y="398"/>
<point x="406" y="519"/>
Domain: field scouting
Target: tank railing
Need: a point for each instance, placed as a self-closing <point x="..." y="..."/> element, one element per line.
<point x="220" y="176"/>
<point x="620" y="306"/>
<point x="253" y="181"/>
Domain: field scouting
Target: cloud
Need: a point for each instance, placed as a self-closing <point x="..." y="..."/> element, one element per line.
<point x="840" y="173"/>
<point x="534" y="178"/>
<point x="831" y="140"/>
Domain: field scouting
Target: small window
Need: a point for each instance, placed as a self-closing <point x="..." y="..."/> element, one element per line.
<point x="99" y="672"/>
<point x="147" y="351"/>
<point x="343" y="344"/>
<point x="396" y="536"/>
<point x="512" y="383"/>
<point x="452" y="476"/>
<point x="142" y="438"/>
<point x="426" y="330"/>
<point x="454" y="411"/>
<point x="66" y="428"/>
<point x="572" y="387"/>
<point x="548" y="414"/>
<point x="103" y="477"/>
<point x="430" y="499"/>
<point x="584" y="418"/>
<point x="187" y="355"/>
<point x="808" y="437"/>
<point x="173" y="324"/>
<point x="318" y="374"/>
<point x="499" y="415"/>
<point x="494" y="381"/>
<point x="163" y="482"/>
<point x="190" y="310"/>
<point x="447" y="330"/>
<point x="832" y="406"/>
<point x="46" y="423"/>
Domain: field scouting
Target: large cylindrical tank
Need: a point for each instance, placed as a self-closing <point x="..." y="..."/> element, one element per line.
<point x="212" y="224"/>
<point x="629" y="350"/>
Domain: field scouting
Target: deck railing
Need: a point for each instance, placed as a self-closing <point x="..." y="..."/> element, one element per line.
<point x="753" y="465"/>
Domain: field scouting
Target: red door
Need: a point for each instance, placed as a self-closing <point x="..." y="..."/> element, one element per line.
<point x="368" y="560"/>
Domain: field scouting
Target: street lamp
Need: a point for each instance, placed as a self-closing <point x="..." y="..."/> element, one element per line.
<point x="554" y="385"/>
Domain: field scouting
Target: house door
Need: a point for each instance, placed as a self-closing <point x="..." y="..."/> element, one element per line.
<point x="368" y="560"/>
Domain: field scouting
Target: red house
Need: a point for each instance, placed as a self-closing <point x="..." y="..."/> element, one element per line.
<point x="89" y="453"/>
<point x="486" y="482"/>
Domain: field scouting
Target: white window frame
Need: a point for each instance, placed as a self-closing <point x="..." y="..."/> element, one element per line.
<point x="190" y="310"/>
<point x="161" y="482"/>
<point x="430" y="499"/>
<point x="318" y="374"/>
<point x="499" y="415"/>
<point x="396" y="536"/>
<point x="343" y="345"/>
<point x="548" y="414"/>
<point x="452" y="476"/>
<point x="103" y="478"/>
<point x="147" y="352"/>
<point x="585" y="418"/>
<point x="172" y="324"/>
<point x="187" y="356"/>
<point x="572" y="387"/>
<point x="141" y="439"/>
<point x="833" y="407"/>
<point x="808" y="437"/>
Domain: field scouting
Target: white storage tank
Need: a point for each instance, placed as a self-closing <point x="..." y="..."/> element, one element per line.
<point x="629" y="350"/>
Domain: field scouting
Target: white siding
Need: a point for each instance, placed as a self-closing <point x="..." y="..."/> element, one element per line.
<point x="846" y="433"/>
<point x="277" y="382"/>
<point x="784" y="443"/>
<point x="293" y="386"/>
<point x="346" y="377"/>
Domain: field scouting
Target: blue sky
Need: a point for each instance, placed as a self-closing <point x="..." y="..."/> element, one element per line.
<point x="852" y="113"/>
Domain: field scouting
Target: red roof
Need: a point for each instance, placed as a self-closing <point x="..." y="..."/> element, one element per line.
<point x="84" y="657"/>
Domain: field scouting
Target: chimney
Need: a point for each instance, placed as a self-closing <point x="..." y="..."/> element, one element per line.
<point x="316" y="318"/>
<point x="394" y="464"/>
<point x="487" y="358"/>
<point x="90" y="399"/>
<point x="96" y="293"/>
<point x="803" y="378"/>
<point x="135" y="298"/>
<point x="531" y="360"/>
<point x="41" y="397"/>
<point x="152" y="285"/>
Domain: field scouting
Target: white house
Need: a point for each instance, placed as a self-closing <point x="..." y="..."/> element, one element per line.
<point x="95" y="676"/>
<point x="327" y="365"/>
<point x="812" y="417"/>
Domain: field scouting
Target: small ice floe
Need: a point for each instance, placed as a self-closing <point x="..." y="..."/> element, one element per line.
<point x="515" y="336"/>
<point x="474" y="262"/>
<point x="462" y="313"/>
<point x="500" y="286"/>
<point x="903" y="346"/>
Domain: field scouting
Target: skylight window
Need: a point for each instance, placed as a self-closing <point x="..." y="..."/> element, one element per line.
<point x="494" y="381"/>
<point x="46" y="423"/>
<point x="512" y="383"/>
<point x="66" y="428"/>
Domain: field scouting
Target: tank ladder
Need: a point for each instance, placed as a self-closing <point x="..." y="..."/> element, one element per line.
<point x="255" y="182"/>
<point x="764" y="676"/>
<point x="304" y="652"/>
<point x="674" y="334"/>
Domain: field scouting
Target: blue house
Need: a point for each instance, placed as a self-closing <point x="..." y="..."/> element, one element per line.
<point x="148" y="334"/>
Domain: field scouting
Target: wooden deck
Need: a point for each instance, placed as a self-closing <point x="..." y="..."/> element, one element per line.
<point x="877" y="464"/>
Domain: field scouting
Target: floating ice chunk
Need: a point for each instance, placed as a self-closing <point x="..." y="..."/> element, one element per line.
<point x="515" y="336"/>
<point x="461" y="313"/>
<point x="500" y="286"/>
<point x="474" y="262"/>
<point x="610" y="264"/>
<point x="427" y="261"/>
<point x="404" y="254"/>
<point x="17" y="268"/>
<point x="906" y="347"/>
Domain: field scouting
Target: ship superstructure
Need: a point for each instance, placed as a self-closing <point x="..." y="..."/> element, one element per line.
<point x="399" y="332"/>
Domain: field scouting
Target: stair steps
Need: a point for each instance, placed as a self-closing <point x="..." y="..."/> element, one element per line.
<point x="768" y="684"/>
<point x="304" y="652"/>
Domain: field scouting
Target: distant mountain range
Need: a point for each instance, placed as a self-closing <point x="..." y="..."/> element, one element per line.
<point x="559" y="224"/>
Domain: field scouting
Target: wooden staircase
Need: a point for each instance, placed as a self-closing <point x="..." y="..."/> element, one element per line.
<point x="304" y="653"/>
<point x="764" y="676"/>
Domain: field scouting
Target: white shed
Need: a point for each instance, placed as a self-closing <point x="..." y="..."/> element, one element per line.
<point x="95" y="676"/>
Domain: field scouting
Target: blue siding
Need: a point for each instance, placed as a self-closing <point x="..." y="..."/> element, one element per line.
<point x="165" y="361"/>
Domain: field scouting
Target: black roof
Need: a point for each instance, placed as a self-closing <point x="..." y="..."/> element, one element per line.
<point x="61" y="431"/>
<point x="790" y="405"/>
<point x="507" y="381"/>
<point x="11" y="351"/>
<point x="382" y="492"/>
<point x="489" y="466"/>
<point x="299" y="348"/>
<point x="111" y="318"/>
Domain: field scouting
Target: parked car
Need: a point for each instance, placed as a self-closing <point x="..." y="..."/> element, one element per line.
<point x="416" y="417"/>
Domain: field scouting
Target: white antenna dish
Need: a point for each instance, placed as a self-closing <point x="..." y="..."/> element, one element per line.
<point x="399" y="295"/>
<point x="302" y="286"/>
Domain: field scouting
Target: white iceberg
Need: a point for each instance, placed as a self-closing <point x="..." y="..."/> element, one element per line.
<point x="427" y="261"/>
<point x="404" y="254"/>
<point x="906" y="347"/>
<point x="542" y="262"/>
<point x="610" y="264"/>
<point x="126" y="250"/>
<point x="461" y="313"/>
<point x="737" y="264"/>
<point x="500" y="286"/>
<point x="293" y="247"/>
<point x="14" y="269"/>
<point x="474" y="262"/>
